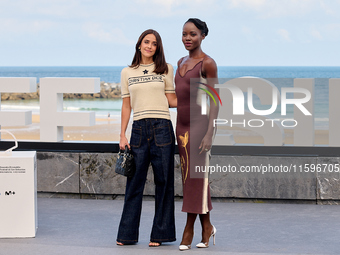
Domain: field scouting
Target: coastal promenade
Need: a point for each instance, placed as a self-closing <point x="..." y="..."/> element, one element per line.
<point x="81" y="226"/>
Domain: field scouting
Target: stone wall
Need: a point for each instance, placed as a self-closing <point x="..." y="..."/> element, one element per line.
<point x="92" y="174"/>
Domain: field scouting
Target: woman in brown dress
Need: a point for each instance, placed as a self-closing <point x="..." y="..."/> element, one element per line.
<point x="195" y="131"/>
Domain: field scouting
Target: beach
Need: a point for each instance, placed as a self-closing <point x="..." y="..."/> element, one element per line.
<point x="109" y="102"/>
<point x="108" y="130"/>
<point x="104" y="130"/>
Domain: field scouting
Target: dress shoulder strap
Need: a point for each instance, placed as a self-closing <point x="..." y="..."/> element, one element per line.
<point x="180" y="61"/>
<point x="201" y="71"/>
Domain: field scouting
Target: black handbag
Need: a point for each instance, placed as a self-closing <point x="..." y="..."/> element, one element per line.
<point x="125" y="164"/>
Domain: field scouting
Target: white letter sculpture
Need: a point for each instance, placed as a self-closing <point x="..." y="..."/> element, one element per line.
<point x="16" y="85"/>
<point x="304" y="131"/>
<point x="334" y="106"/>
<point x="52" y="117"/>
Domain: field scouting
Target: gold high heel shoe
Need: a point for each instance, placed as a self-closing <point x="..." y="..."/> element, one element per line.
<point x="206" y="245"/>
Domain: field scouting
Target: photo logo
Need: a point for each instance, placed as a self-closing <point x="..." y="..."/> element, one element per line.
<point x="276" y="111"/>
<point x="239" y="99"/>
<point x="204" y="99"/>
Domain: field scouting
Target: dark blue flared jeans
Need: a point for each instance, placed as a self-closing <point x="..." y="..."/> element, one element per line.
<point x="152" y="141"/>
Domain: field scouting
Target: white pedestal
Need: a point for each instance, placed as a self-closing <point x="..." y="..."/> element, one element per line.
<point x="18" y="195"/>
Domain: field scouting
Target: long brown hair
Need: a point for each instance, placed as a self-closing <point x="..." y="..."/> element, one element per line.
<point x="158" y="58"/>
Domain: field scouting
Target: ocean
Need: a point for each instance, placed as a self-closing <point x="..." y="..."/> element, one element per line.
<point x="112" y="75"/>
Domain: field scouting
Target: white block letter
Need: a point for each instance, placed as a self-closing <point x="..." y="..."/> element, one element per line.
<point x="16" y="85"/>
<point x="52" y="116"/>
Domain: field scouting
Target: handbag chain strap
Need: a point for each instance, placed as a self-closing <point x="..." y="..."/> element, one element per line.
<point x="120" y="154"/>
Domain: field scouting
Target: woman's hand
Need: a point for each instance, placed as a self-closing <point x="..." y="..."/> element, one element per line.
<point x="172" y="99"/>
<point x="124" y="142"/>
<point x="206" y="143"/>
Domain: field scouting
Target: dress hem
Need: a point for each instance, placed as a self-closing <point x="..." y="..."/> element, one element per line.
<point x="196" y="212"/>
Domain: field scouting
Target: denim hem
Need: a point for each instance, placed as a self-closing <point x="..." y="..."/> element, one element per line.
<point x="163" y="240"/>
<point x="127" y="241"/>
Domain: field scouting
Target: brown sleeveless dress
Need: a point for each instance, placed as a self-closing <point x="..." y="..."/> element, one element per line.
<point x="190" y="130"/>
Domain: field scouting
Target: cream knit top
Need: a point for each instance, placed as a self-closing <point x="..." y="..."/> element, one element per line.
<point x="147" y="91"/>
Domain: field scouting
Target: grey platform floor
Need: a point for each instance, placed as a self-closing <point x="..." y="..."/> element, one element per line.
<point x="72" y="226"/>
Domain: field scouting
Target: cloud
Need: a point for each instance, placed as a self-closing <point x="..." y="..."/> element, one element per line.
<point x="14" y="26"/>
<point x="113" y="35"/>
<point x="284" y="8"/>
<point x="249" y="4"/>
<point x="250" y="34"/>
<point x="64" y="10"/>
<point x="329" y="32"/>
<point x="316" y="34"/>
<point x="327" y="8"/>
<point x="284" y="34"/>
<point x="333" y="31"/>
<point x="168" y="8"/>
<point x="170" y="3"/>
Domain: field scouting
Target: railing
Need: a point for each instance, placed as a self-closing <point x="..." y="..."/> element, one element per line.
<point x="113" y="147"/>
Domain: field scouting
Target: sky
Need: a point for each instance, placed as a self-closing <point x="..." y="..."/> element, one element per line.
<point x="104" y="32"/>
